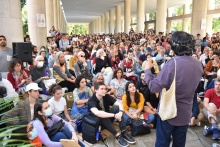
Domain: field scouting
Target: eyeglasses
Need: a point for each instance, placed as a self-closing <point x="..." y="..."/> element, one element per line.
<point x="3" y="39"/>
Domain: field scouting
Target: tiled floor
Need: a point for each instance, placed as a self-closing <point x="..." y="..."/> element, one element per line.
<point x="194" y="139"/>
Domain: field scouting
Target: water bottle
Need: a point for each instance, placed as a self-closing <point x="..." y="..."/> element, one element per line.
<point x="98" y="134"/>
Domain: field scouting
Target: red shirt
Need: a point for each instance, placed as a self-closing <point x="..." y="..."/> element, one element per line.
<point x="211" y="95"/>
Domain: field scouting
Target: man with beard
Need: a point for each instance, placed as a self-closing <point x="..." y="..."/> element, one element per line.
<point x="5" y="55"/>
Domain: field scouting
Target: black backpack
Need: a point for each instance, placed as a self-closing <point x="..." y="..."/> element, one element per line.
<point x="90" y="125"/>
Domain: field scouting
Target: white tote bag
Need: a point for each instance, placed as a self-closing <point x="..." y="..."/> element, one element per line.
<point x="168" y="109"/>
<point x="49" y="82"/>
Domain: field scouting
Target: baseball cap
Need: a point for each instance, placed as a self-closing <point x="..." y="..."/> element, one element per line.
<point x="32" y="86"/>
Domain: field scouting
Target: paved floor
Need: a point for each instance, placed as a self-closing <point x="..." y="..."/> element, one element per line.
<point x="194" y="139"/>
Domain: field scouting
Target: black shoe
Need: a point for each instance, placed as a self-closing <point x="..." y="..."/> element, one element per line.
<point x="121" y="141"/>
<point x="127" y="137"/>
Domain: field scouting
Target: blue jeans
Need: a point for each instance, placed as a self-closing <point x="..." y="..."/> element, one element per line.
<point x="64" y="134"/>
<point x="164" y="131"/>
<point x="127" y="119"/>
<point x="76" y="110"/>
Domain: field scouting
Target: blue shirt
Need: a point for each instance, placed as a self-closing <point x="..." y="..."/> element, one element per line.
<point x="188" y="74"/>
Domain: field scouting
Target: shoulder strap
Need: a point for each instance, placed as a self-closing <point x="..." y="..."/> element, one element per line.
<point x="174" y="68"/>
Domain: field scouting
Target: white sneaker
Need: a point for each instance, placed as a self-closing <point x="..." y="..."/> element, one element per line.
<point x="215" y="145"/>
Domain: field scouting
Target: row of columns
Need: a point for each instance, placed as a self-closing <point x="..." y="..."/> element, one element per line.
<point x="112" y="19"/>
<point x="42" y="15"/>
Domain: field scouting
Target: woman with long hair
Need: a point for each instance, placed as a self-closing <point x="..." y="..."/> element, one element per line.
<point x="133" y="103"/>
<point x="44" y="119"/>
<point x="81" y="95"/>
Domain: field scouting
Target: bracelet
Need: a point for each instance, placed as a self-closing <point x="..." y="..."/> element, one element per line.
<point x="121" y="111"/>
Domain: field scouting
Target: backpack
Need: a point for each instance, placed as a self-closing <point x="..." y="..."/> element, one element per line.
<point x="90" y="125"/>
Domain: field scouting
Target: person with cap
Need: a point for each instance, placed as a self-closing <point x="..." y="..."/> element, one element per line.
<point x="24" y="109"/>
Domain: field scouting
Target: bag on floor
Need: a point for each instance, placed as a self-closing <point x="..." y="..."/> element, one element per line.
<point x="139" y="127"/>
<point x="90" y="125"/>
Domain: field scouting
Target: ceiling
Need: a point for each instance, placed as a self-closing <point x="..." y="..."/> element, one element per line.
<point x="85" y="11"/>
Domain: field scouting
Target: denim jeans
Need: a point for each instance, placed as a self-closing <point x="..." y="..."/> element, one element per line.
<point x="164" y="131"/>
<point x="64" y="134"/>
<point x="151" y="118"/>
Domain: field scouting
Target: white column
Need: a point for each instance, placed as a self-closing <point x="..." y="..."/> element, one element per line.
<point x="186" y="21"/>
<point x="161" y="16"/>
<point x="127" y="15"/>
<point x="118" y="19"/>
<point x="209" y="18"/>
<point x="111" y="21"/>
<point x="58" y="14"/>
<point x="169" y="22"/>
<point x="99" y="24"/>
<point x="107" y="22"/>
<point x="103" y="23"/>
<point x="140" y="15"/>
<point x="55" y="24"/>
<point x="37" y="34"/>
<point x="10" y="21"/>
<point x="49" y="15"/>
<point x="199" y="13"/>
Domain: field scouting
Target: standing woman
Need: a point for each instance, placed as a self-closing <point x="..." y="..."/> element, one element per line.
<point x="44" y="119"/>
<point x="133" y="103"/>
<point x="81" y="95"/>
<point x="62" y="74"/>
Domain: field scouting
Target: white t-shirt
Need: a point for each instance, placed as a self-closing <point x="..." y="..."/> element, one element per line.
<point x="58" y="107"/>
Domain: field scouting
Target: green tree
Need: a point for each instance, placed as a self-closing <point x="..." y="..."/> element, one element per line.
<point x="216" y="24"/>
<point x="77" y="28"/>
<point x="152" y="16"/>
<point x="178" y="10"/>
<point x="176" y="25"/>
<point x="24" y="20"/>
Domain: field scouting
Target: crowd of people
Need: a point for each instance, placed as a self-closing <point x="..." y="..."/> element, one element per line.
<point x="116" y="77"/>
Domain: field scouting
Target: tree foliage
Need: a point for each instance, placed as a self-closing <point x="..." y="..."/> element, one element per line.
<point x="24" y="20"/>
<point x="216" y="24"/>
<point x="77" y="28"/>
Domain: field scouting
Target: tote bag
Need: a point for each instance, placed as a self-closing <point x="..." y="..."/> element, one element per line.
<point x="168" y="109"/>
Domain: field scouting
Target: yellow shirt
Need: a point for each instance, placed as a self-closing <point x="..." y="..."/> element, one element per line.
<point x="133" y="104"/>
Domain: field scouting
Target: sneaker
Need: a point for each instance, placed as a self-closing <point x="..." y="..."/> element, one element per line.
<point x="127" y="137"/>
<point x="215" y="145"/>
<point x="207" y="130"/>
<point x="121" y="141"/>
<point x="215" y="134"/>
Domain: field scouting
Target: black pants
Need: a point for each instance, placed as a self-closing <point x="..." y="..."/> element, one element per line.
<point x="71" y="86"/>
<point x="107" y="122"/>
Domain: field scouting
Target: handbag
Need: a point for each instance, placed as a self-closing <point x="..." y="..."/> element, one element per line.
<point x="49" y="82"/>
<point x="168" y="109"/>
<point x="139" y="127"/>
<point x="57" y="127"/>
<point x="142" y="115"/>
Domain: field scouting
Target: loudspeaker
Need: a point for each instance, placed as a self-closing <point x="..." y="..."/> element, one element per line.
<point x="22" y="51"/>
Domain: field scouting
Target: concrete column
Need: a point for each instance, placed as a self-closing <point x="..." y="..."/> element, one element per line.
<point x="11" y="22"/>
<point x="186" y="21"/>
<point x="55" y="14"/>
<point x="49" y="15"/>
<point x="209" y="18"/>
<point x="169" y="22"/>
<point x="185" y="24"/>
<point x="103" y="23"/>
<point x="127" y="15"/>
<point x="107" y="22"/>
<point x="140" y="15"/>
<point x="118" y="19"/>
<point x="99" y="24"/>
<point x="111" y="21"/>
<point x="61" y="21"/>
<point x="37" y="34"/>
<point x="161" y="17"/>
<point x="199" y="13"/>
<point x="122" y="26"/>
<point x="58" y="14"/>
